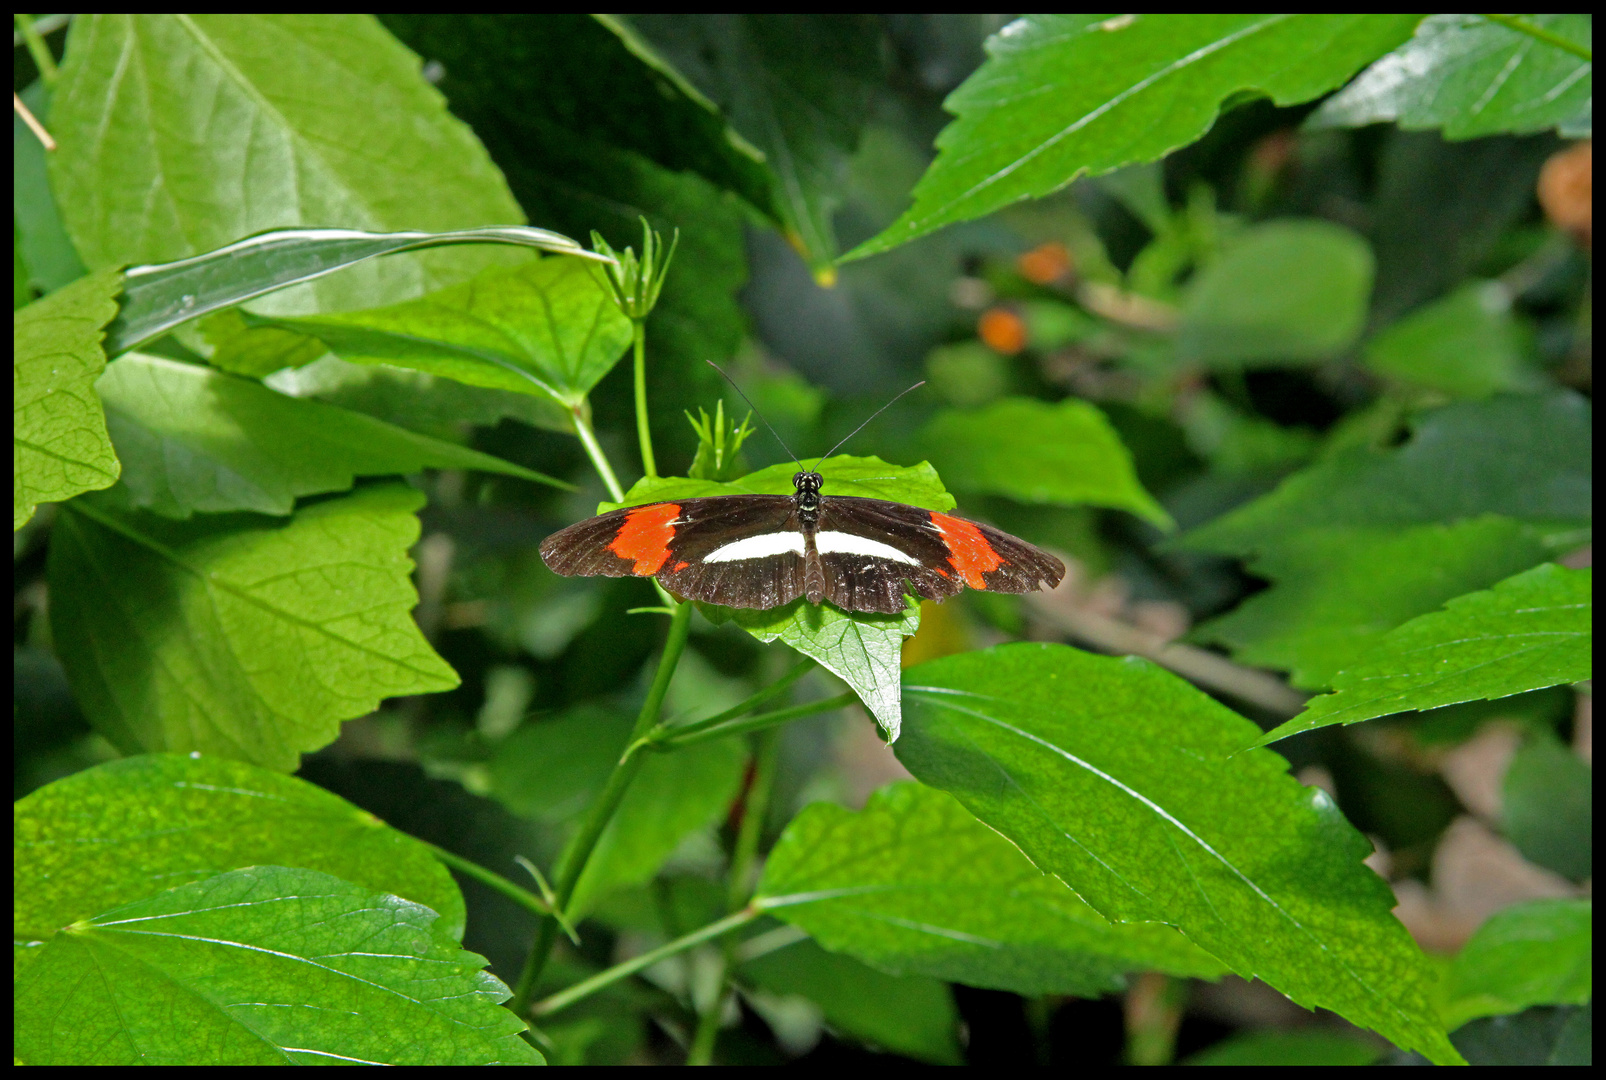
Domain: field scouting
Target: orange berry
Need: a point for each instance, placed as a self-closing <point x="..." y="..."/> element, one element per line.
<point x="1002" y="330"/>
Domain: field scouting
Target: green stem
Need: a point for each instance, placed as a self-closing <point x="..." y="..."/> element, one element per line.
<point x="649" y="464"/>
<point x="520" y="896"/>
<point x="37" y="49"/>
<point x="675" y="738"/>
<point x="779" y="686"/>
<point x="577" y="852"/>
<point x="599" y="461"/>
<point x="1522" y="26"/>
<point x="586" y="987"/>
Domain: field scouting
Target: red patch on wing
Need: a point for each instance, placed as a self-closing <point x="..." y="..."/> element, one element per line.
<point x="644" y="537"/>
<point x="681" y="566"/>
<point x="969" y="553"/>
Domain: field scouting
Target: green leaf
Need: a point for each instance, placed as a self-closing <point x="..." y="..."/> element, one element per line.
<point x="1465" y="344"/>
<point x="1542" y="1035"/>
<point x="550" y="770"/>
<point x="1064" y="454"/>
<point x="1528" y="632"/>
<point x="42" y="242"/>
<point x="159" y="820"/>
<point x="914" y="884"/>
<point x="547" y="327"/>
<point x="1548" y="808"/>
<point x="1287" y="1048"/>
<point x="863" y="649"/>
<point x="1284" y="292"/>
<point x="236" y="636"/>
<point x="160" y="297"/>
<point x="907" y="1015"/>
<point x="796" y="86"/>
<point x="1537" y="953"/>
<point x="1125" y="782"/>
<point x="182" y="133"/>
<point x="1061" y="95"/>
<point x="58" y="431"/>
<point x="196" y="440"/>
<point x="264" y="966"/>
<point x="865" y="477"/>
<point x="1471" y="75"/>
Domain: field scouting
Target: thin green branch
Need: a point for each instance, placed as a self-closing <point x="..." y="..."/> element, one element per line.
<point x="585" y="988"/>
<point x="33" y="37"/>
<point x="519" y="895"/>
<point x="649" y="464"/>
<point x="577" y="852"/>
<point x="1539" y="33"/>
<point x="779" y="686"/>
<point x="676" y="738"/>
<point x="599" y="460"/>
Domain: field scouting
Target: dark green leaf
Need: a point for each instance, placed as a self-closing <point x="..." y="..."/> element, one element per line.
<point x="548" y="327"/>
<point x="1528" y="632"/>
<point x="1125" y="782"/>
<point x="1548" y="809"/>
<point x="908" y="1015"/>
<point x="1287" y="292"/>
<point x="1288" y="1048"/>
<point x="915" y="884"/>
<point x="160" y="820"/>
<point x="1537" y="953"/>
<point x="1065" y="454"/>
<point x="182" y="133"/>
<point x="196" y="440"/>
<point x="1466" y="344"/>
<point x="239" y="636"/>
<point x="1065" y="94"/>
<point x="58" y="430"/>
<point x="42" y="242"/>
<point x="1543" y="1035"/>
<point x="264" y="966"/>
<point x="1471" y="75"/>
<point x="160" y="297"/>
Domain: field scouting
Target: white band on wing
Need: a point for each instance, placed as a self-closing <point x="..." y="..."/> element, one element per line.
<point x="761" y="546"/>
<point x="841" y="543"/>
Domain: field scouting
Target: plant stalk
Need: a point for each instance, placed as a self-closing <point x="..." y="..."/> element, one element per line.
<point x="649" y="464"/>
<point x="676" y="738"/>
<point x="593" y="449"/>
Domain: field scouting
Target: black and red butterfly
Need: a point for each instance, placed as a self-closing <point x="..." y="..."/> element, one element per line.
<point x="762" y="551"/>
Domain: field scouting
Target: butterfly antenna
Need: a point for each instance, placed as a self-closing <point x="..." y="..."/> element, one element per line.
<point x="867" y="420"/>
<point x="761" y="416"/>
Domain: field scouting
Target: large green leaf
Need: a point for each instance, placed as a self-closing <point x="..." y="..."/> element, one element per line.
<point x="1061" y="95"/>
<point x="915" y="884"/>
<point x="1337" y="592"/>
<point x="193" y="439"/>
<point x="239" y="636"/>
<point x="182" y="133"/>
<point x="159" y="820"/>
<point x="1473" y="75"/>
<point x="263" y="966"/>
<point x="548" y="327"/>
<point x="796" y="86"/>
<point x="1064" y="454"/>
<point x="1528" y="632"/>
<point x="1537" y="953"/>
<point x="909" y="1015"/>
<point x="1466" y="344"/>
<point x="1286" y="292"/>
<point x="160" y="297"/>
<point x="1126" y="783"/>
<point x="59" y="443"/>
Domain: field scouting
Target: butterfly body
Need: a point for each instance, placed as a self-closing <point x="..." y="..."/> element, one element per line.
<point x="762" y="551"/>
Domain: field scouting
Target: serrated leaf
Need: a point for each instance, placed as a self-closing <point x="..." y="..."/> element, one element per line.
<point x="1536" y="953"/>
<point x="236" y="636"/>
<point x="1470" y="75"/>
<point x="863" y="649"/>
<point x="865" y="477"/>
<point x="914" y="884"/>
<point x="196" y="440"/>
<point x="182" y="133"/>
<point x="1062" y="454"/>
<point x="1466" y="344"/>
<point x="1287" y="292"/>
<point x="1527" y="632"/>
<point x="546" y="328"/>
<point x="264" y="966"/>
<point x="58" y="431"/>
<point x="1125" y="782"/>
<point x="1060" y="95"/>
<point x="159" y="820"/>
